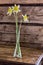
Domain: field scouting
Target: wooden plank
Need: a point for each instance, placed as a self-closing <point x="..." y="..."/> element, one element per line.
<point x="20" y="1"/>
<point x="35" y="14"/>
<point x="25" y="31"/>
<point x="30" y="56"/>
<point x="29" y="35"/>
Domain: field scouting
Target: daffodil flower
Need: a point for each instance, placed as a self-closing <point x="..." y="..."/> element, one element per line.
<point x="16" y="8"/>
<point x="9" y="11"/>
<point x="25" y="17"/>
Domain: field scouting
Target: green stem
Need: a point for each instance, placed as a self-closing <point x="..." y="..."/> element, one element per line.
<point x="16" y="19"/>
<point x="18" y="50"/>
<point x="17" y="34"/>
<point x="18" y="38"/>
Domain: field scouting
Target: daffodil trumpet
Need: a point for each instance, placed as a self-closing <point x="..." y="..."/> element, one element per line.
<point x="25" y="18"/>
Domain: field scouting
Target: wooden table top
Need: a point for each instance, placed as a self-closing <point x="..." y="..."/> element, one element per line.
<point x="30" y="55"/>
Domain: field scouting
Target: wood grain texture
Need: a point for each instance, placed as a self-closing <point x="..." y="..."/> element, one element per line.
<point x="30" y="55"/>
<point x="31" y="36"/>
<point x="35" y="14"/>
<point x="20" y="1"/>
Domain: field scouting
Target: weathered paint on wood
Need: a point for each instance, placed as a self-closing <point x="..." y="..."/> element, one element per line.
<point x="20" y="1"/>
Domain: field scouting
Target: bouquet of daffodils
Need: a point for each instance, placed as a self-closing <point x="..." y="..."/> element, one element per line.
<point x="14" y="10"/>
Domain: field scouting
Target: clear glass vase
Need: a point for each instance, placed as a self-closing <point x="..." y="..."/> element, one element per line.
<point x="17" y="52"/>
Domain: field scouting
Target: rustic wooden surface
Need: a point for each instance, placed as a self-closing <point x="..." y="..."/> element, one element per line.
<point x="20" y="1"/>
<point x="31" y="36"/>
<point x="35" y="14"/>
<point x="30" y="55"/>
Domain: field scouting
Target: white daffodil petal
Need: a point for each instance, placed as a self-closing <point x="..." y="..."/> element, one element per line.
<point x="19" y="10"/>
<point x="12" y="7"/>
<point x="18" y="6"/>
<point x="9" y="7"/>
<point x="15" y="5"/>
<point x="7" y="12"/>
<point x="22" y="15"/>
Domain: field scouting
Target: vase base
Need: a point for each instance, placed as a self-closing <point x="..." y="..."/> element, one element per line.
<point x="17" y="56"/>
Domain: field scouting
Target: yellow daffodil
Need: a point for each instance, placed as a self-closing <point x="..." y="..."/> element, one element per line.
<point x="16" y="8"/>
<point x="9" y="11"/>
<point x="25" y="17"/>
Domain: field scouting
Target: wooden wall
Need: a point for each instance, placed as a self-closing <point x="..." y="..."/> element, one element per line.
<point x="20" y="1"/>
<point x="31" y="36"/>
